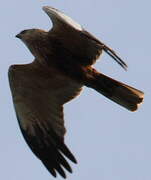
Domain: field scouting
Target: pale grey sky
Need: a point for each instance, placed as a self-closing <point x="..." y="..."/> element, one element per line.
<point x="109" y="142"/>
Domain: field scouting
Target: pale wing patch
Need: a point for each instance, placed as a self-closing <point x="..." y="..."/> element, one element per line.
<point x="52" y="12"/>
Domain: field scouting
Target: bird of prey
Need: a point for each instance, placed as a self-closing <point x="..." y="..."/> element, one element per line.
<point x="63" y="65"/>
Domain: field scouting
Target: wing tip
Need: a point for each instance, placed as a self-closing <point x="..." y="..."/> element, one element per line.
<point x="47" y="8"/>
<point x="57" y="14"/>
<point x="64" y="150"/>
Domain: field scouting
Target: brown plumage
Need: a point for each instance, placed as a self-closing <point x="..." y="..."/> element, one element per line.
<point x="63" y="65"/>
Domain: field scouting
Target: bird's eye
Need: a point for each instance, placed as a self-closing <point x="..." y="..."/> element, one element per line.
<point x="23" y="32"/>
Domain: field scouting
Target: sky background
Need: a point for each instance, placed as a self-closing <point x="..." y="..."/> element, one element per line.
<point x="109" y="142"/>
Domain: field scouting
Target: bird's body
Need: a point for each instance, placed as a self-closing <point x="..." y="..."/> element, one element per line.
<point x="63" y="65"/>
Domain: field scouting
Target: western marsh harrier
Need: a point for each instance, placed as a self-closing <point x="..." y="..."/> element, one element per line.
<point x="63" y="65"/>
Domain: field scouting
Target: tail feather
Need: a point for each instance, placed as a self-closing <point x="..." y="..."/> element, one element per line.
<point x="120" y="93"/>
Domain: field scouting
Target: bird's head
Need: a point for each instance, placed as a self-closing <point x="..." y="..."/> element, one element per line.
<point x="31" y="35"/>
<point x="34" y="39"/>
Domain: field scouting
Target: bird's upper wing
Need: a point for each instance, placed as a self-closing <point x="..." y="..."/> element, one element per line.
<point x="38" y="96"/>
<point x="68" y="34"/>
<point x="77" y="40"/>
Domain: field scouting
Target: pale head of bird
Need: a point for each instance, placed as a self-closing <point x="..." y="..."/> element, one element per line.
<point x="34" y="39"/>
<point x="30" y="35"/>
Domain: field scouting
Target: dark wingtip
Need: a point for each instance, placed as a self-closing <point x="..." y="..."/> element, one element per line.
<point x="108" y="50"/>
<point x="75" y="161"/>
<point x="64" y="149"/>
<point x="71" y="157"/>
<point x="53" y="172"/>
<point x="111" y="53"/>
<point x="61" y="172"/>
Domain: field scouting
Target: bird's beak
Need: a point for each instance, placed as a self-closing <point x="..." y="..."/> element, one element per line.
<point x="18" y="36"/>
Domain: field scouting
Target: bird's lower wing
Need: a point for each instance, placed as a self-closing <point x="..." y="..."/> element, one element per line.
<point x="38" y="99"/>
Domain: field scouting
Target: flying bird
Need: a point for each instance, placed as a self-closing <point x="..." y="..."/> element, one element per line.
<point x="62" y="66"/>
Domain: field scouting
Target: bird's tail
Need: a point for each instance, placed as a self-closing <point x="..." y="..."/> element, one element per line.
<point x="122" y="94"/>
